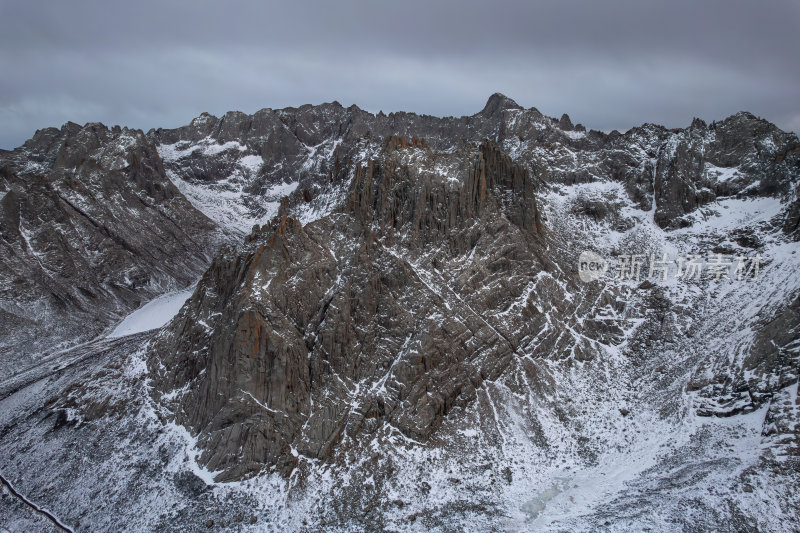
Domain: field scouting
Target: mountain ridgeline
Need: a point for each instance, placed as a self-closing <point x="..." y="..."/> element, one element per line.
<point x="389" y="329"/>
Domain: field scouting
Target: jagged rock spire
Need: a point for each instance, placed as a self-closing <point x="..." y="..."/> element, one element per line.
<point x="497" y="103"/>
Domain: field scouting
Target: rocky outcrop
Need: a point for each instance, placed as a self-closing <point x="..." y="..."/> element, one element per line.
<point x="742" y="155"/>
<point x="310" y="337"/>
<point x="407" y="337"/>
<point x="363" y="317"/>
<point x="680" y="170"/>
<point x="90" y="228"/>
<point x="387" y="194"/>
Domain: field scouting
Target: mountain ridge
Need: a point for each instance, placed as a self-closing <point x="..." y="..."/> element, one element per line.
<point x="395" y="333"/>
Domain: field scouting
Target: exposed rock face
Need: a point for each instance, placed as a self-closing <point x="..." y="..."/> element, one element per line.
<point x="309" y="336"/>
<point x="90" y="228"/>
<point x="404" y="331"/>
<point x="740" y="155"/>
<point x="272" y="153"/>
<point x="312" y="335"/>
<point x="791" y="223"/>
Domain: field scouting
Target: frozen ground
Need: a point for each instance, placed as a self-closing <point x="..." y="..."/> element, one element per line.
<point x="152" y="315"/>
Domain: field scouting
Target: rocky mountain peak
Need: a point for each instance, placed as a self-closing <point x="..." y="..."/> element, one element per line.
<point x="497" y="103"/>
<point x="698" y="124"/>
<point x="92" y="229"/>
<point x="401" y="333"/>
<point x="398" y="211"/>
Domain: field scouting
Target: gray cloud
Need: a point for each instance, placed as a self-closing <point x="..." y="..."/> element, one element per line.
<point x="610" y="65"/>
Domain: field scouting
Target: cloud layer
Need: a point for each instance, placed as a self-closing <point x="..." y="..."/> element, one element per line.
<point x="610" y="65"/>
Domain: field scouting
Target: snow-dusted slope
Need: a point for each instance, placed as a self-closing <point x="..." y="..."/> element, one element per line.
<point x="90" y="228"/>
<point x="226" y="200"/>
<point x="659" y="403"/>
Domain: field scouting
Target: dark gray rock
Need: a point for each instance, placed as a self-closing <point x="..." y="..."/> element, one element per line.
<point x="90" y="228"/>
<point x="680" y="170"/>
<point x="279" y="330"/>
<point x="407" y="336"/>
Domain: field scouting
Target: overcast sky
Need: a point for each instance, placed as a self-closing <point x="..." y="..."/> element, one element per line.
<point x="608" y="64"/>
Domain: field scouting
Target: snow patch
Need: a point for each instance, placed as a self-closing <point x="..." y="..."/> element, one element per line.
<point x="282" y="189"/>
<point x="721" y="173"/>
<point x="253" y="163"/>
<point x="152" y="315"/>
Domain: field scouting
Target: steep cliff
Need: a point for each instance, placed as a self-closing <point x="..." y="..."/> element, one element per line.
<point x="90" y="228"/>
<point x="403" y="336"/>
<point x="309" y="336"/>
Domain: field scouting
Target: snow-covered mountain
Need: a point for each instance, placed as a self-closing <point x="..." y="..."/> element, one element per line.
<point x="407" y="336"/>
<point x="90" y="228"/>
